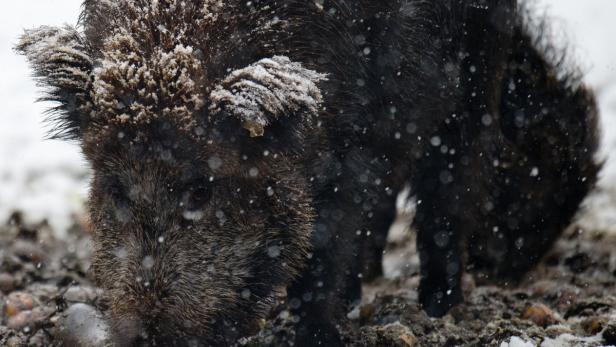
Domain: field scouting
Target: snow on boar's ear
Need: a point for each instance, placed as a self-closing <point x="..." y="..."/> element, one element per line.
<point x="62" y="65"/>
<point x="265" y="91"/>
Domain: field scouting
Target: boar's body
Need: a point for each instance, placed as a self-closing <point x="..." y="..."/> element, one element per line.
<point x="237" y="146"/>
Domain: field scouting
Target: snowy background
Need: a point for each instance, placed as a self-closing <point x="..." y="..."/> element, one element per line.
<point x="47" y="179"/>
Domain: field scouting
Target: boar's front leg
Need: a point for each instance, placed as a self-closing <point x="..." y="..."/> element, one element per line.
<point x="440" y="234"/>
<point x="347" y="208"/>
<point x="448" y="185"/>
<point x="330" y="281"/>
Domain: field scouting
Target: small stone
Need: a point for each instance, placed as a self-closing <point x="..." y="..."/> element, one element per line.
<point x="395" y="335"/>
<point x="593" y="325"/>
<point x="366" y="311"/>
<point x="408" y="339"/>
<point x="44" y="292"/>
<point x="539" y="314"/>
<point x="81" y="294"/>
<point x="40" y="339"/>
<point x="41" y="314"/>
<point x="354" y="314"/>
<point x="55" y="319"/>
<point x="28" y="251"/>
<point x="18" y="302"/>
<point x="15" y="341"/>
<point x="83" y="325"/>
<point x="11" y="263"/>
<point x="30" y="318"/>
<point x="20" y="320"/>
<point x="7" y="283"/>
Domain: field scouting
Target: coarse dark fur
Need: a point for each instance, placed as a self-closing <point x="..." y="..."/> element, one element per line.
<point x="216" y="184"/>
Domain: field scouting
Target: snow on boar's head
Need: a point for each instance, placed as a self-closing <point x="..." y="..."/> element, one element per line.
<point x="199" y="199"/>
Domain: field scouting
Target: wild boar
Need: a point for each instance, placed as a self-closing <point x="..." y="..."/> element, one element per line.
<point x="243" y="147"/>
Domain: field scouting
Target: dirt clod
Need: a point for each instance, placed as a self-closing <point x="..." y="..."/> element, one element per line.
<point x="7" y="283"/>
<point x="539" y="314"/>
<point x="394" y="335"/>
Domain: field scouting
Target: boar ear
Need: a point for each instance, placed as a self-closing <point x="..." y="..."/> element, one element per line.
<point x="266" y="91"/>
<point x="62" y="66"/>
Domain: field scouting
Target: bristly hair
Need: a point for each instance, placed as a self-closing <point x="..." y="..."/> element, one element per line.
<point x="62" y="66"/>
<point x="560" y="59"/>
<point x="558" y="54"/>
<point x="266" y="90"/>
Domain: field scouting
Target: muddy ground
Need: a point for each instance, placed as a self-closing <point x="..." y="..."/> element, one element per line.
<point x="46" y="298"/>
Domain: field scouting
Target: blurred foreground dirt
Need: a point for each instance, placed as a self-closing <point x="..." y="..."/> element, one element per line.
<point x="46" y="299"/>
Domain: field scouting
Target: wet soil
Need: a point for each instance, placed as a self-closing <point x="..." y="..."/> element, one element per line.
<point x="46" y="298"/>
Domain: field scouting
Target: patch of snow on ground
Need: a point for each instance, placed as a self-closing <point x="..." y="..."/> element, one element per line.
<point x="517" y="342"/>
<point x="568" y="340"/>
<point x="48" y="179"/>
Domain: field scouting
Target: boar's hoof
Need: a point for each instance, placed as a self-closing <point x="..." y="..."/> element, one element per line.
<point x="437" y="302"/>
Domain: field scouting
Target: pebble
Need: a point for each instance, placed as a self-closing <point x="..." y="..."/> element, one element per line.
<point x="394" y="335"/>
<point x="7" y="283"/>
<point x="82" y="325"/>
<point x="44" y="292"/>
<point x="593" y="325"/>
<point x="17" y="302"/>
<point x="30" y="318"/>
<point x="29" y="251"/>
<point x="14" y="341"/>
<point x="399" y="335"/>
<point x="11" y="263"/>
<point x="40" y="339"/>
<point x="41" y="314"/>
<point x="354" y="314"/>
<point x="539" y="314"/>
<point x="81" y="294"/>
<point x="367" y="310"/>
<point x="19" y="320"/>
